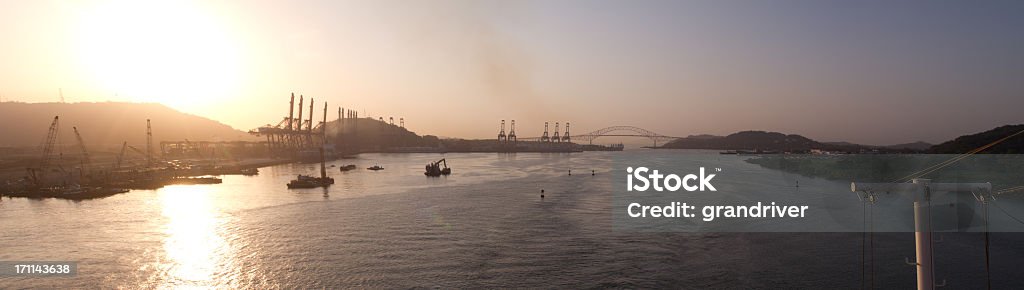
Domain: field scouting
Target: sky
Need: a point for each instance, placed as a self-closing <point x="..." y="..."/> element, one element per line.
<point x="871" y="72"/>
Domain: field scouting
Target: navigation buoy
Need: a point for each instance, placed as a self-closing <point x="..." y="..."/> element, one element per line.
<point x="591" y="172"/>
<point x="542" y="194"/>
<point x="570" y="171"/>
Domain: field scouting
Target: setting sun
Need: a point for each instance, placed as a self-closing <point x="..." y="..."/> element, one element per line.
<point x="171" y="52"/>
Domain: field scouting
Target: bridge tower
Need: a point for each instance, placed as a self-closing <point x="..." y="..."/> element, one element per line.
<point x="544" y="138"/>
<point x="401" y="122"/>
<point x="512" y="133"/>
<point x="565" y="138"/>
<point x="391" y="120"/>
<point x="501" y="134"/>
<point x="556" y="138"/>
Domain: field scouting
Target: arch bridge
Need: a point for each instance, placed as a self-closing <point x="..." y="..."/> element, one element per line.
<point x="617" y="131"/>
<point x="625" y="131"/>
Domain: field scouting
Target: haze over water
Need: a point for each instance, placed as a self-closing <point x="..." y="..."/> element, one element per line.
<point x="483" y="226"/>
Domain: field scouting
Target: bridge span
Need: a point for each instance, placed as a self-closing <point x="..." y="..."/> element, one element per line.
<point x="612" y="131"/>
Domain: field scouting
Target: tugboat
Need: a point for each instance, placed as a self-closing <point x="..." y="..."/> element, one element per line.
<point x="306" y="181"/>
<point x="347" y="167"/>
<point x="375" y="168"/>
<point x="434" y="168"/>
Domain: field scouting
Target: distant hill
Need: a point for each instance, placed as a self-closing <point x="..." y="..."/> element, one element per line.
<point x="967" y="143"/>
<point x="774" y="141"/>
<point x="106" y="125"/>
<point x="371" y="135"/>
<point x="748" y="140"/>
<point x="703" y="136"/>
<point x="916" y="146"/>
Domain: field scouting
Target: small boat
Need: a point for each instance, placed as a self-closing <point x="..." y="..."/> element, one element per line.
<point x="375" y="168"/>
<point x="347" y="167"/>
<point x="250" y="171"/>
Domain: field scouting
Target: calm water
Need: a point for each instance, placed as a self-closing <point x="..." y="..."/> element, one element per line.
<point x="483" y="226"/>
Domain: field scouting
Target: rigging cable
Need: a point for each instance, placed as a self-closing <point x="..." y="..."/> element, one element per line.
<point x="1007" y="213"/>
<point x="950" y="161"/>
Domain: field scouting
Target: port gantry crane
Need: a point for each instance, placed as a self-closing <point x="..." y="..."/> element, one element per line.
<point x="298" y="133"/>
<point x="501" y="135"/>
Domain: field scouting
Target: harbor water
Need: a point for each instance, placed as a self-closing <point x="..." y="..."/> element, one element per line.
<point x="483" y="226"/>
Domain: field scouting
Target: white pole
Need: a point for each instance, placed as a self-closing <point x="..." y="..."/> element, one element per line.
<point x="921" y="190"/>
<point x="923" y="237"/>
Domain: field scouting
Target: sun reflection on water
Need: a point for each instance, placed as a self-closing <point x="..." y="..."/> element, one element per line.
<point x="196" y="251"/>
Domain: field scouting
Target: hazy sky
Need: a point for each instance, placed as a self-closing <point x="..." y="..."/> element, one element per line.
<point x="862" y="71"/>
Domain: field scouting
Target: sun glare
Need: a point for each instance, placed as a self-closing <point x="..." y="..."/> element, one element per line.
<point x="171" y="52"/>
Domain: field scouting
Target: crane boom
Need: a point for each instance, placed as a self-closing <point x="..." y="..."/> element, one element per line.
<point x="86" y="163"/>
<point x="120" y="156"/>
<point x="35" y="174"/>
<point x="137" y="150"/>
<point x="51" y="138"/>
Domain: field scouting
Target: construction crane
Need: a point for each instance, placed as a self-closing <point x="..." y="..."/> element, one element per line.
<point x="137" y="150"/>
<point x="86" y="163"/>
<point x="35" y="174"/>
<point x="120" y="157"/>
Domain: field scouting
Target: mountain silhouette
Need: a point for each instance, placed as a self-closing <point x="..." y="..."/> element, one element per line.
<point x="965" y="143"/>
<point x="106" y="125"/>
